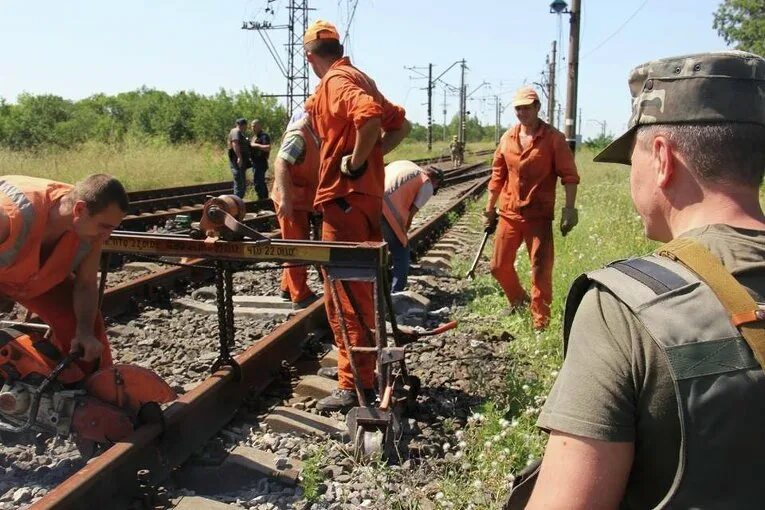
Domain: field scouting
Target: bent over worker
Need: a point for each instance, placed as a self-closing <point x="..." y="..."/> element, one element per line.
<point x="530" y="158"/>
<point x="50" y="231"/>
<point x="357" y="126"/>
<point x="295" y="179"/>
<point x="407" y="188"/>
<point x="660" y="402"/>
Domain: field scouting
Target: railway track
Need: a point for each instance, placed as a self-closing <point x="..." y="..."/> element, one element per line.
<point x="153" y="208"/>
<point x="111" y="479"/>
<point x="120" y="297"/>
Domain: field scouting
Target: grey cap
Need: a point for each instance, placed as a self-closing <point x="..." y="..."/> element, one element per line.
<point x="726" y="86"/>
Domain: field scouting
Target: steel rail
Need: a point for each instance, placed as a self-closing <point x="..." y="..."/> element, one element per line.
<point x="144" y="203"/>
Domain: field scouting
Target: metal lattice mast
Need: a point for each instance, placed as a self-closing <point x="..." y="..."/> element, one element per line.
<point x="296" y="70"/>
<point x="297" y="65"/>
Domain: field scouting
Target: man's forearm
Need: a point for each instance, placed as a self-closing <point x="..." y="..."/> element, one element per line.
<point x="85" y="303"/>
<point x="282" y="179"/>
<point x="570" y="195"/>
<point x="391" y="139"/>
<point x="366" y="138"/>
<point x="492" y="202"/>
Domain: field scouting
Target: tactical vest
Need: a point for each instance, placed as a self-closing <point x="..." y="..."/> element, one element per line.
<point x="402" y="184"/>
<point x="304" y="172"/>
<point x="26" y="201"/>
<point x="719" y="384"/>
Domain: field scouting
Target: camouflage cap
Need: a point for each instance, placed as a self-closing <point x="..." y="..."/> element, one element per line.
<point x="727" y="86"/>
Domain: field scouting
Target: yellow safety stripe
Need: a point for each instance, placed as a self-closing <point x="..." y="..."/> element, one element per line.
<point x="743" y="310"/>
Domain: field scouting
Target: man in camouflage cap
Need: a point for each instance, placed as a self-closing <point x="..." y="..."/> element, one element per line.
<point x="661" y="399"/>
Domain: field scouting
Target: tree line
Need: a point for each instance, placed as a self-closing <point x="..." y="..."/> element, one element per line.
<point x="48" y="122"/>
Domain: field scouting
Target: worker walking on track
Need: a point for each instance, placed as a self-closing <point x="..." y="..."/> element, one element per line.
<point x="530" y="158"/>
<point x="357" y="126"/>
<point x="660" y="402"/>
<point x="407" y="188"/>
<point x="49" y="231"/>
<point x="296" y="175"/>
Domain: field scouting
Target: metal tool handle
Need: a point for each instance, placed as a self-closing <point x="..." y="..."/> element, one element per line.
<point x="471" y="274"/>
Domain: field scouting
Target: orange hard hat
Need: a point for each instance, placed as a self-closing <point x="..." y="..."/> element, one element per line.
<point x="525" y="96"/>
<point x="320" y="29"/>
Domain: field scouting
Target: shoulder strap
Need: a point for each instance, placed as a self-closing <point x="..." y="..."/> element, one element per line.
<point x="743" y="310"/>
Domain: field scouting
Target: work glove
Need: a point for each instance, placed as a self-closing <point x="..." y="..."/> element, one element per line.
<point x="348" y="171"/>
<point x="568" y="219"/>
<point x="490" y="220"/>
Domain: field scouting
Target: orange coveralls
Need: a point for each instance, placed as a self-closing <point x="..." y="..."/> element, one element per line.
<point x="344" y="100"/>
<point x="44" y="287"/>
<point x="304" y="172"/>
<point x="526" y="181"/>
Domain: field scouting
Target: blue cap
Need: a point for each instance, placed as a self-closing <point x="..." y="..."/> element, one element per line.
<point x="241" y="121"/>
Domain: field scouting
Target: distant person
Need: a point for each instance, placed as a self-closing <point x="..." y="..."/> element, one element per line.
<point x="407" y="189"/>
<point x="296" y="175"/>
<point x="239" y="156"/>
<point x="530" y="158"/>
<point x="260" y="148"/>
<point x="457" y="151"/>
<point x="357" y="126"/>
<point x="50" y="249"/>
<point x="660" y="402"/>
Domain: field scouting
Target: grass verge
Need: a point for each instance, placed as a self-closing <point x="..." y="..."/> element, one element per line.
<point x="502" y="437"/>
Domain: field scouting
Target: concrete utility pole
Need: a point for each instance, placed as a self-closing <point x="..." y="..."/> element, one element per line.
<point x="430" y="107"/>
<point x="296" y="70"/>
<point x="463" y="102"/>
<point x="551" y="84"/>
<point x="497" y="118"/>
<point x="573" y="74"/>
<point x="444" y="113"/>
<point x="431" y="85"/>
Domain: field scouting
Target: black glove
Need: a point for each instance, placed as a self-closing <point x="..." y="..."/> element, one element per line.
<point x="568" y="219"/>
<point x="351" y="173"/>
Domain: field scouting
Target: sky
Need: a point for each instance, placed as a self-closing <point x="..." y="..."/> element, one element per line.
<point x="78" y="48"/>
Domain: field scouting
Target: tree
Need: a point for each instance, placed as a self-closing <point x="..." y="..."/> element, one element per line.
<point x="599" y="142"/>
<point x="742" y="22"/>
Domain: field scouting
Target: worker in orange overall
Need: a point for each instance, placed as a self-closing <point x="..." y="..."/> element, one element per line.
<point x="407" y="188"/>
<point x="357" y="126"/>
<point x="530" y="158"/>
<point x="295" y="177"/>
<point x="50" y="247"/>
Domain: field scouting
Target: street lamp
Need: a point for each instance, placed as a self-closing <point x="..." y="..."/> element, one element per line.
<point x="559" y="7"/>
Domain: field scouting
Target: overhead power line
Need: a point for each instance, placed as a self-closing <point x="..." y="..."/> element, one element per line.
<point x="621" y="27"/>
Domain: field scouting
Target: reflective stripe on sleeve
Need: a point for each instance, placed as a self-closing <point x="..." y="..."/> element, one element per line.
<point x="27" y="212"/>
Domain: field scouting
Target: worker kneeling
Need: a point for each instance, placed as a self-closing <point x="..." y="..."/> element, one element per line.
<point x="407" y="188"/>
<point x="295" y="180"/>
<point x="50" y="246"/>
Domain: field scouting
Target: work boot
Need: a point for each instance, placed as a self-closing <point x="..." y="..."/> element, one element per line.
<point x="328" y="372"/>
<point x="285" y="294"/>
<point x="342" y="400"/>
<point x="305" y="303"/>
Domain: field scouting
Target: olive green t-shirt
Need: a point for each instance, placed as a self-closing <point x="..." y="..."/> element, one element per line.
<point x="615" y="384"/>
